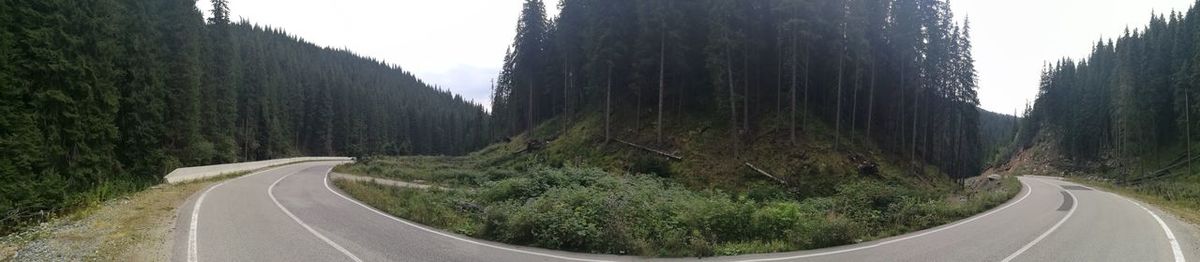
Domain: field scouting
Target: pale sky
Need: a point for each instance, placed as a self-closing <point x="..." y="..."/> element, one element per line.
<point x="460" y="44"/>
<point x="455" y="44"/>
<point x="1014" y="38"/>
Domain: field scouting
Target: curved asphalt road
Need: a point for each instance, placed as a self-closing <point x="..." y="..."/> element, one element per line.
<point x="292" y="213"/>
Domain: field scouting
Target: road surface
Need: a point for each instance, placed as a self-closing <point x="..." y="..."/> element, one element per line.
<point x="292" y="213"/>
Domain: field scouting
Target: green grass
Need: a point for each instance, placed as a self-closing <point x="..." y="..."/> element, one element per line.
<point x="1177" y="195"/>
<point x="591" y="210"/>
<point x="583" y="194"/>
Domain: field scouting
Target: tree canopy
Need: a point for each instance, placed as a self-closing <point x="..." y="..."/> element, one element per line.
<point x="1130" y="97"/>
<point x="863" y="66"/>
<point x="103" y="97"/>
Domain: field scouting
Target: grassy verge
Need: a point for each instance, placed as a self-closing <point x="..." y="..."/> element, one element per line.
<point x="134" y="227"/>
<point x="592" y="210"/>
<point x="1179" y="196"/>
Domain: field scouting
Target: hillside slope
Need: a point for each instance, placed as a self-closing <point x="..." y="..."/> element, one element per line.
<point x="101" y="98"/>
<point x="737" y="77"/>
<point x="624" y="199"/>
<point x="1124" y="114"/>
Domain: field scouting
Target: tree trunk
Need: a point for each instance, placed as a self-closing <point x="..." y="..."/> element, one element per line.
<point x="637" y="115"/>
<point x="662" y="58"/>
<point x="566" y="109"/>
<point x="956" y="170"/>
<point x="779" y="76"/>
<point x="608" y="106"/>
<point x="837" y="131"/>
<point x="745" y="92"/>
<point x="916" y="114"/>
<point x="807" y="73"/>
<point x="854" y="99"/>
<point x="529" y="121"/>
<point x="733" y="123"/>
<point x="793" y="85"/>
<point x="871" y="100"/>
<point x="900" y="111"/>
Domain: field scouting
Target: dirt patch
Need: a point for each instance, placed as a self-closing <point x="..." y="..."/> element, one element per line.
<point x="137" y="227"/>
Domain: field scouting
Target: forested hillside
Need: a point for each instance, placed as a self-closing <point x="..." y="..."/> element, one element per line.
<point x="897" y="71"/>
<point x="1123" y="117"/>
<point x="1132" y="97"/>
<point x="997" y="132"/>
<point x="104" y="97"/>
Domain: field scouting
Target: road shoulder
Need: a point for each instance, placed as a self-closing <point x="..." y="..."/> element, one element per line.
<point x="137" y="227"/>
<point x="1184" y="222"/>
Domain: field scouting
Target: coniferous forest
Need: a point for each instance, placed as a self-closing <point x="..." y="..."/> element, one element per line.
<point x="1133" y="96"/>
<point x="897" y="71"/>
<point x="102" y="97"/>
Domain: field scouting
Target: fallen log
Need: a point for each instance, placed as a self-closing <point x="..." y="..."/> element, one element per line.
<point x="669" y="155"/>
<point x="760" y="171"/>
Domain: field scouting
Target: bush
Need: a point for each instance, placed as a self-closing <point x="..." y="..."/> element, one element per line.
<point x="588" y="210"/>
<point x="651" y="165"/>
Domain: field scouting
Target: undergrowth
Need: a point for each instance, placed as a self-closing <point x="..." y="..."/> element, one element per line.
<point x="576" y="190"/>
<point x="590" y="210"/>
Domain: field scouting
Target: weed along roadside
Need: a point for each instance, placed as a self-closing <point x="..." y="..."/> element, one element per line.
<point x="592" y="210"/>
<point x="135" y="227"/>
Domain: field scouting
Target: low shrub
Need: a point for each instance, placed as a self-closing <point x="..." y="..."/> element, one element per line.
<point x="588" y="210"/>
<point x="651" y="165"/>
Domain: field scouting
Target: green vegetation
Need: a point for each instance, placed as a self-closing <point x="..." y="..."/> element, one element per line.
<point x="997" y="132"/>
<point x="896" y="74"/>
<point x="580" y="194"/>
<point x="101" y="98"/>
<point x="1131" y="99"/>
<point x="590" y="210"/>
<point x="1179" y="196"/>
<point x="703" y="90"/>
<point x="1123" y="114"/>
<point x="136" y="227"/>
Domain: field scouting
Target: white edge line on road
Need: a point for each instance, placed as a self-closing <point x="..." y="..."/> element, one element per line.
<point x="298" y="221"/>
<point x="381" y="213"/>
<point x="192" y="254"/>
<point x="1027" y="192"/>
<point x="1175" y="249"/>
<point x="1074" y="199"/>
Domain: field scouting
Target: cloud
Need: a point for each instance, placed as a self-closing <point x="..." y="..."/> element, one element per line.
<point x="456" y="44"/>
<point x="472" y="82"/>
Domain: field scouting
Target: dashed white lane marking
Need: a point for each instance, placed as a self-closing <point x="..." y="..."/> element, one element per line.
<point x="310" y="229"/>
<point x="1051" y="230"/>
<point x="381" y="213"/>
<point x="192" y="254"/>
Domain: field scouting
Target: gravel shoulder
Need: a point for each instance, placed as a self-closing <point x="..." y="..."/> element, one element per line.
<point x="137" y="227"/>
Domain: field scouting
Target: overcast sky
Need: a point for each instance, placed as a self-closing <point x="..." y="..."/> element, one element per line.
<point x="460" y="44"/>
<point x="1014" y="38"/>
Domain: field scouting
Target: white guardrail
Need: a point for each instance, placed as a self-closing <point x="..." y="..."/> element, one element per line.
<point x="202" y="172"/>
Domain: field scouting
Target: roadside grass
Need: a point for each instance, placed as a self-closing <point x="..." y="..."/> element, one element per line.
<point x="591" y="210"/>
<point x="1179" y="195"/>
<point x="126" y="227"/>
<point x="580" y="193"/>
<point x="437" y="170"/>
<point x="135" y="227"/>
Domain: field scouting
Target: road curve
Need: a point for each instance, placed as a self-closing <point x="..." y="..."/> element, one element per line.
<point x="292" y="213"/>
